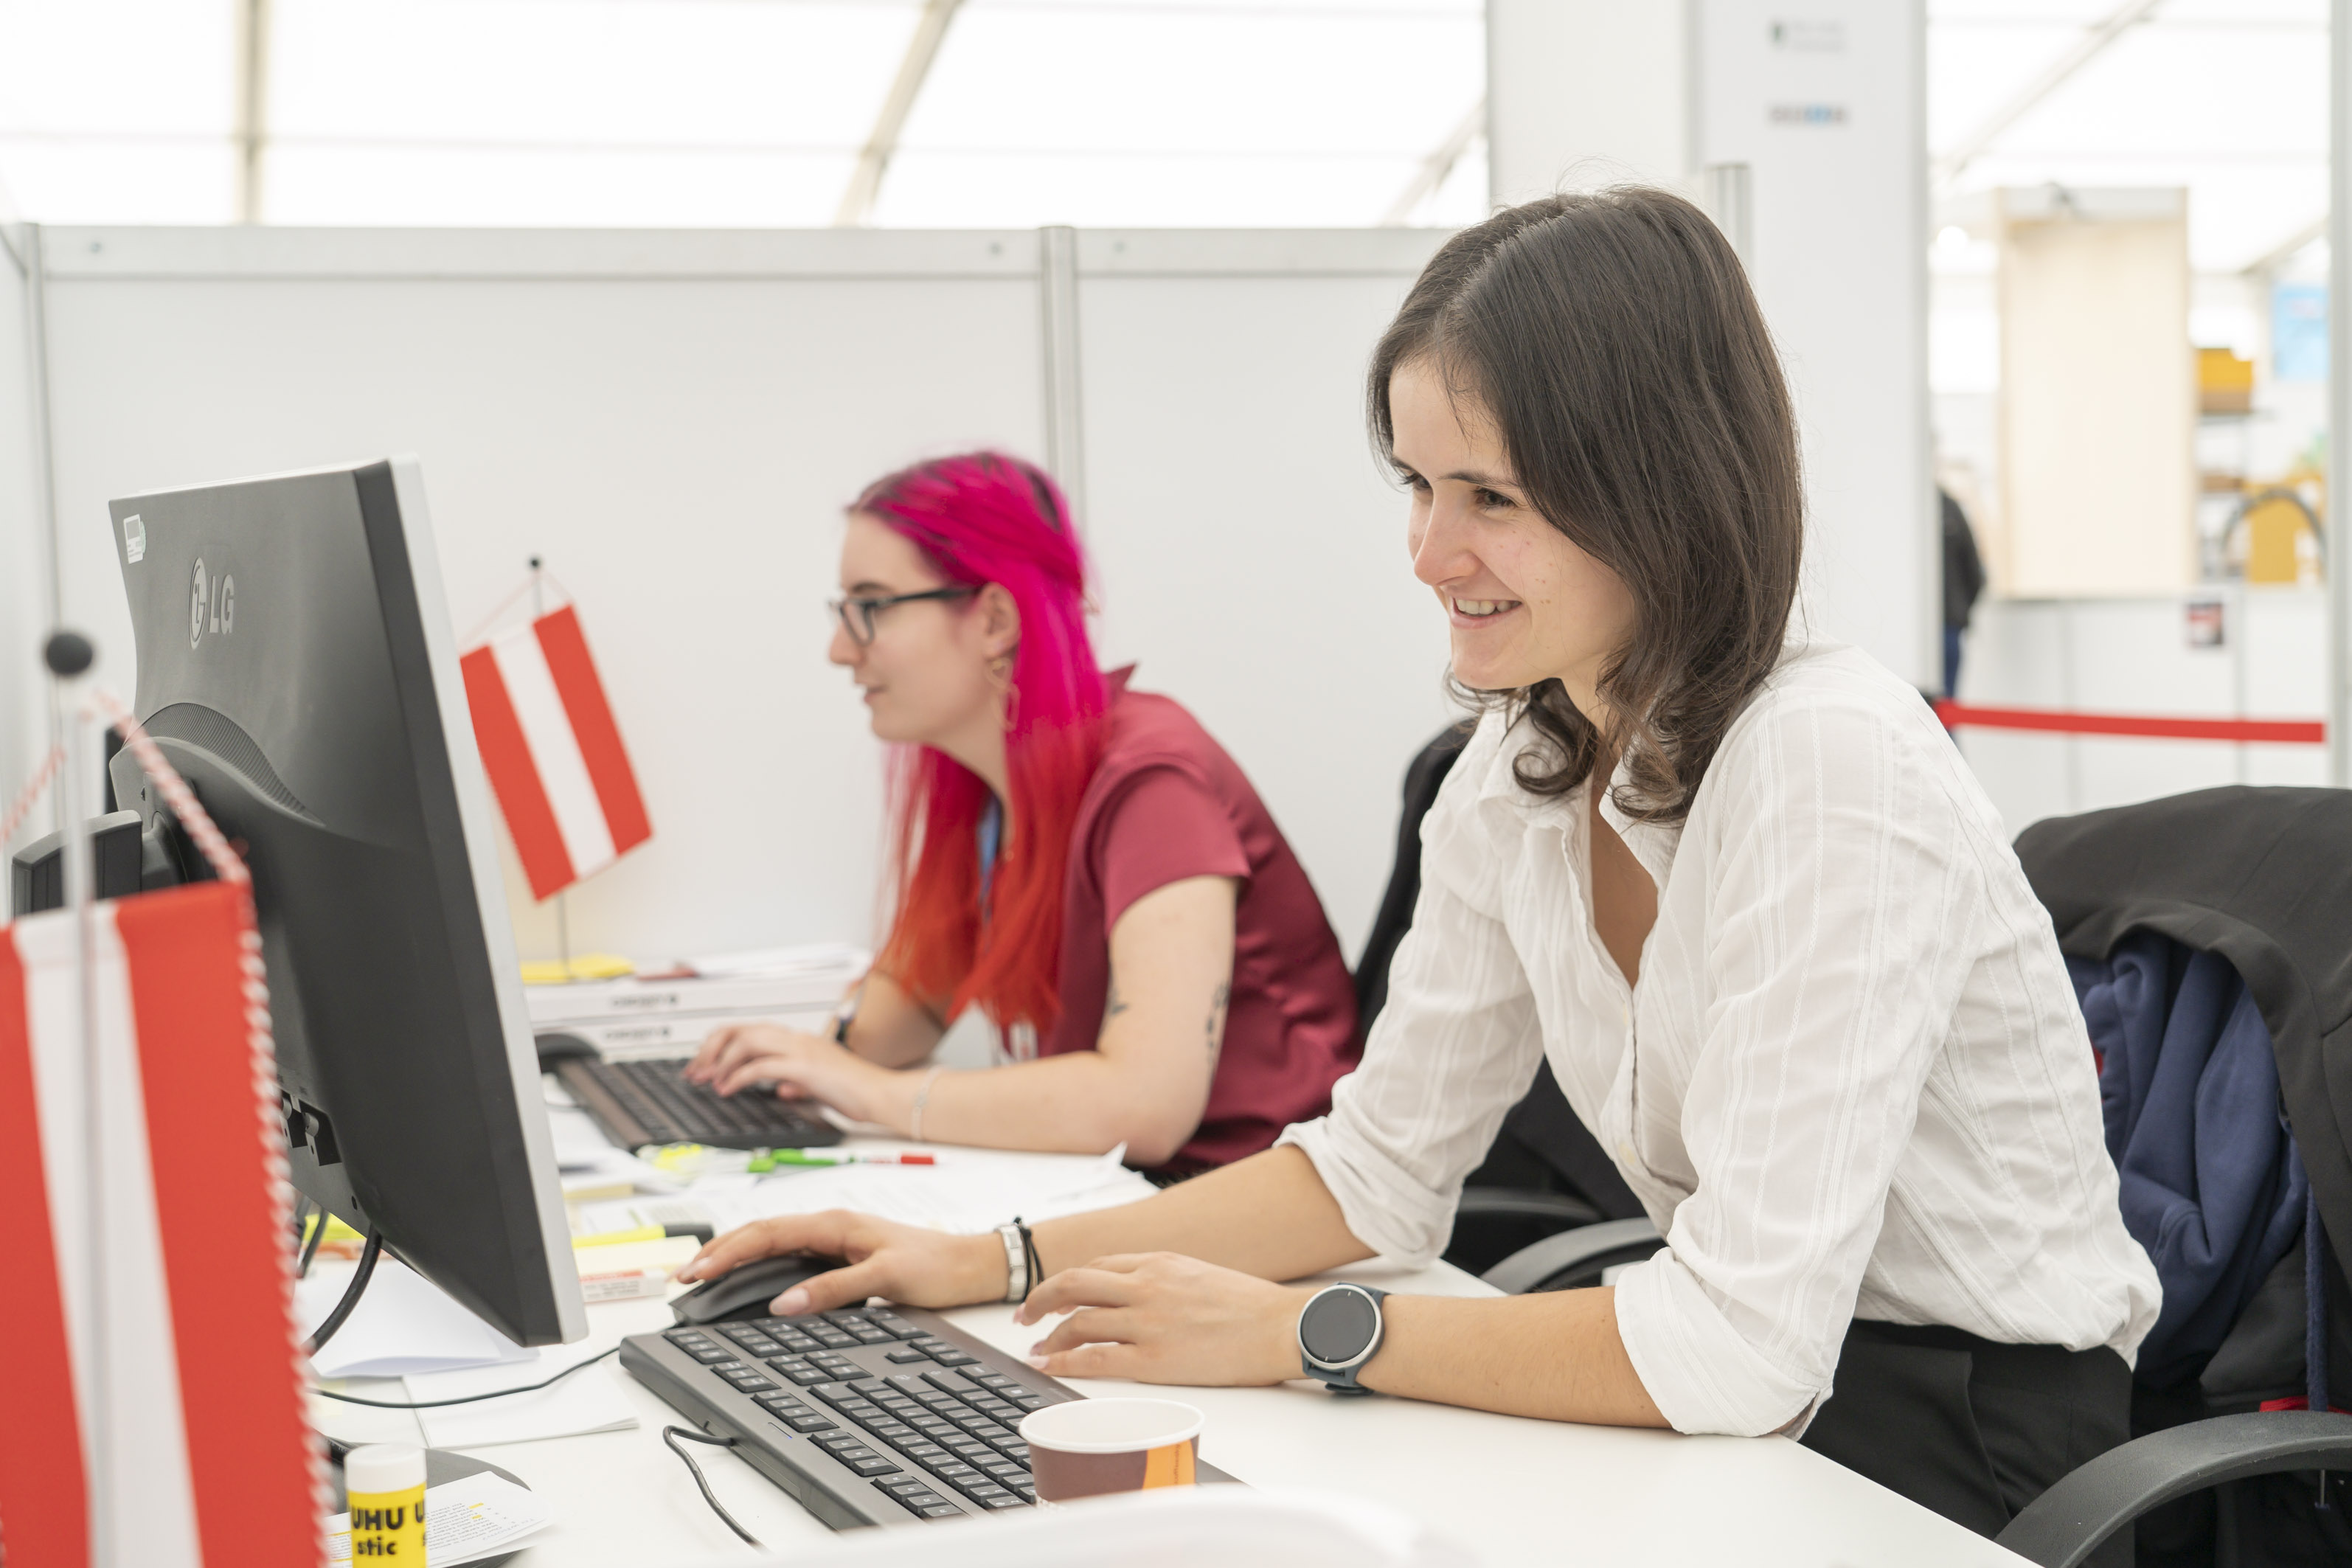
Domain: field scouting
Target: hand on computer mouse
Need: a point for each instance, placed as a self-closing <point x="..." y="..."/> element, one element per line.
<point x="906" y="1263"/>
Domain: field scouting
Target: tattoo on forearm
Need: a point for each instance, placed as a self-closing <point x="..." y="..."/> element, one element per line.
<point x="1216" y="1026"/>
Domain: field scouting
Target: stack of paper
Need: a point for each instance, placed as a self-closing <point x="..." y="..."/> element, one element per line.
<point x="587" y="1401"/>
<point x="403" y="1324"/>
<point x="476" y="1516"/>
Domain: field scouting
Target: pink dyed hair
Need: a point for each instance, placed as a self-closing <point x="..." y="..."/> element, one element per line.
<point x="982" y="518"/>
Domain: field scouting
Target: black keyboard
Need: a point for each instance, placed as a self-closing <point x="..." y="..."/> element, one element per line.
<point x="871" y="1415"/>
<point x="642" y="1102"/>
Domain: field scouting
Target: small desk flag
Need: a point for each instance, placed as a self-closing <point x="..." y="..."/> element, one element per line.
<point x="552" y="752"/>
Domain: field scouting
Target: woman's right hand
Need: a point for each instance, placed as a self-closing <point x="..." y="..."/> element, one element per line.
<point x="906" y="1263"/>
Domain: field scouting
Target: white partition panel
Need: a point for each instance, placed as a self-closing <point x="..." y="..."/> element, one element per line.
<point x="24" y="555"/>
<point x="1252" y="554"/>
<point x="674" y="421"/>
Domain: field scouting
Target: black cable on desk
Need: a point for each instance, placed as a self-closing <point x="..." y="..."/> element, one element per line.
<point x="310" y="1246"/>
<point x="351" y="1292"/>
<point x="466" y="1399"/>
<point x="671" y="1434"/>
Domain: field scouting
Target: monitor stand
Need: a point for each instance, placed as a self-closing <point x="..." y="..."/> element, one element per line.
<point x="440" y="1465"/>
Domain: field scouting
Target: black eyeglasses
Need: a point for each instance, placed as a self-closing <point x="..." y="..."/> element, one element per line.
<point x="857" y="614"/>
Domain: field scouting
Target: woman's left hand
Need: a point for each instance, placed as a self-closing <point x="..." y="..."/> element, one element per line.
<point x="738" y="1057"/>
<point x="1161" y="1317"/>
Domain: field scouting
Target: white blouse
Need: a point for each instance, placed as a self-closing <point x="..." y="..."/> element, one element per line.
<point x="1853" y="1080"/>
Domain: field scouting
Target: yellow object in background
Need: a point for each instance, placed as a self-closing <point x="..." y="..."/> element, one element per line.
<point x="2274" y="527"/>
<point x="2225" y="384"/>
<point x="386" y="1485"/>
<point x="587" y="966"/>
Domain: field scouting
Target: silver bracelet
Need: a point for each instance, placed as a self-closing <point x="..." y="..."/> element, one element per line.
<point x="1016" y="1263"/>
<point x="922" y="1097"/>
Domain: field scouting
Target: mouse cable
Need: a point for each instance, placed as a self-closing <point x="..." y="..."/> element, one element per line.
<point x="671" y="1434"/>
<point x="468" y="1399"/>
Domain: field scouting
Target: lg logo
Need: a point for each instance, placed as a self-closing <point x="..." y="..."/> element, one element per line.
<point x="212" y="604"/>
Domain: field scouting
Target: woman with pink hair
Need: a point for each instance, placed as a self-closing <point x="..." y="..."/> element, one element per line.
<point x="1078" y="859"/>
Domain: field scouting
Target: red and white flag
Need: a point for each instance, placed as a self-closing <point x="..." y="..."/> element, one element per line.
<point x="154" y="1391"/>
<point x="553" y="752"/>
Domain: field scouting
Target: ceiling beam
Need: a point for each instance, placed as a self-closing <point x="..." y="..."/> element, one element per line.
<point x="923" y="48"/>
<point x="1427" y="179"/>
<point x="252" y="104"/>
<point x="2084" y="49"/>
<point x="2279" y="255"/>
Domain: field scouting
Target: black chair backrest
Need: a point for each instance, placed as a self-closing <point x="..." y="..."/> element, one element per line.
<point x="1541" y="1126"/>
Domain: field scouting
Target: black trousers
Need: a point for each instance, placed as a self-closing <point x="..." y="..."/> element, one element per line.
<point x="1968" y="1429"/>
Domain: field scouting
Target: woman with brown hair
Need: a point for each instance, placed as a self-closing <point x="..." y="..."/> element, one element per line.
<point x="1736" y="886"/>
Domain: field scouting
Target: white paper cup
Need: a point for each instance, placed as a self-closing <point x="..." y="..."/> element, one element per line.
<point x="1090" y="1448"/>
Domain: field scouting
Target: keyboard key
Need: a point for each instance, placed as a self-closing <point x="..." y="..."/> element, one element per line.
<point x="801" y="1373"/>
<point x="872" y="1464"/>
<point x="1025" y="1401"/>
<point x="893" y="1323"/>
<point x="811" y="1422"/>
<point x="902" y="1485"/>
<point x="752" y="1383"/>
<point x="954" y="1358"/>
<point x="708" y="1354"/>
<point x="840" y="1440"/>
<point x="906" y="1356"/>
<point x="779" y="1404"/>
<point x="940" y="1509"/>
<point x="930" y="1454"/>
<point x="951" y="1383"/>
<point x="997" y="1409"/>
<point x="870" y="1386"/>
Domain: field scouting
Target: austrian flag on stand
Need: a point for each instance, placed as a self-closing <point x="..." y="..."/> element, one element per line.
<point x="552" y="753"/>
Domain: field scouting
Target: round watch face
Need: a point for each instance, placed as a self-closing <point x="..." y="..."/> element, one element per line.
<point x="1337" y="1325"/>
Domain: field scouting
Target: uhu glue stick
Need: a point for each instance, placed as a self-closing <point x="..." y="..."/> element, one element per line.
<point x="385" y="1484"/>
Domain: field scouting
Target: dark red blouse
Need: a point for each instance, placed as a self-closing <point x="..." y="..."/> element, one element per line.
<point x="1166" y="803"/>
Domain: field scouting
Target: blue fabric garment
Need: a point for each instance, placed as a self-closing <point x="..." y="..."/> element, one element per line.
<point x="2211" y="1184"/>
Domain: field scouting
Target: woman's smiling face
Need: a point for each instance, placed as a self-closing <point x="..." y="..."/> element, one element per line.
<point x="1524" y="604"/>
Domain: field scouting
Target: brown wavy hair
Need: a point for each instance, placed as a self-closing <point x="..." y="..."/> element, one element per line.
<point x="1614" y="341"/>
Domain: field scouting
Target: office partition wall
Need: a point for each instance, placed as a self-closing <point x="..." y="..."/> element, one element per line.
<point x="674" y="420"/>
<point x="24" y="536"/>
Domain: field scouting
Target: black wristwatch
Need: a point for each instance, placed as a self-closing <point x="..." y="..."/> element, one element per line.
<point x="1339" y="1331"/>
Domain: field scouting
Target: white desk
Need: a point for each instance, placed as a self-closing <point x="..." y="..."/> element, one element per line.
<point x="1514" y="1490"/>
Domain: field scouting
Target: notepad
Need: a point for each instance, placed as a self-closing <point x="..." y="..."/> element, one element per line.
<point x="466" y="1520"/>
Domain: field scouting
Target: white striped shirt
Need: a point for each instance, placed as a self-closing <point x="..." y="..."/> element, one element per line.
<point x="1853" y="1080"/>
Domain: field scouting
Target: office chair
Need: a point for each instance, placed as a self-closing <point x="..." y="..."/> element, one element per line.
<point x="2257" y="877"/>
<point x="1544" y="1181"/>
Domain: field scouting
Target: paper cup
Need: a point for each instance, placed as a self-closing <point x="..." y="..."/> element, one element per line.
<point x="1089" y="1447"/>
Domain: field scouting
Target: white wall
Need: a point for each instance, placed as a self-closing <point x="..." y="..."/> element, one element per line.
<point x="675" y="420"/>
<point x="1253" y="556"/>
<point x="1582" y="93"/>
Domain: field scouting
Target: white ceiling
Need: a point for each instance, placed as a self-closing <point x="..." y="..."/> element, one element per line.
<point x="1208" y="112"/>
<point x="2228" y="97"/>
<point x="728" y="113"/>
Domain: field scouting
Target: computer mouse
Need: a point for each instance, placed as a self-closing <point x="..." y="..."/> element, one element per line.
<point x="561" y="1048"/>
<point x="746" y="1292"/>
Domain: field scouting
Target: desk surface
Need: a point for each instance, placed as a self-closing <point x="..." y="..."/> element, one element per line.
<point x="1505" y="1486"/>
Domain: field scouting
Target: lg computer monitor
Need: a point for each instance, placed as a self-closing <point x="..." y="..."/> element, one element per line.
<point x="295" y="663"/>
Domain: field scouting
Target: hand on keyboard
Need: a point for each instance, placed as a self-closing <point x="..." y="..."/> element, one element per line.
<point x="906" y="1263"/>
<point x="737" y="1058"/>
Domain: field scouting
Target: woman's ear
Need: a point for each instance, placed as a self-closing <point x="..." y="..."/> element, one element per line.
<point x="1000" y="621"/>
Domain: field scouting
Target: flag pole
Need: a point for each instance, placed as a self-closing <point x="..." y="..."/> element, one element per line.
<point x="69" y="656"/>
<point x="562" y="913"/>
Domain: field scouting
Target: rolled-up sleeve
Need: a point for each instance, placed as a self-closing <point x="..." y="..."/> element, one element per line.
<point x="1454" y="1049"/>
<point x="1837" y="948"/>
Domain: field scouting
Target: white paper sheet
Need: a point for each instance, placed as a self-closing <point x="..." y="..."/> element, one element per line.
<point x="587" y="1401"/>
<point x="968" y="1191"/>
<point x="403" y="1324"/>
<point x="473" y="1517"/>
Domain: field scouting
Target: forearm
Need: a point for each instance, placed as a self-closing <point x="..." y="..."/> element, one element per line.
<point x="1270" y="1214"/>
<point x="1556" y="1355"/>
<point x="891" y="1028"/>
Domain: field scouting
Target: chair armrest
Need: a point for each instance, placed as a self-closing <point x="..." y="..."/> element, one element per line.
<point x="2060" y="1528"/>
<point x="1525" y="1202"/>
<point x="1530" y="1266"/>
